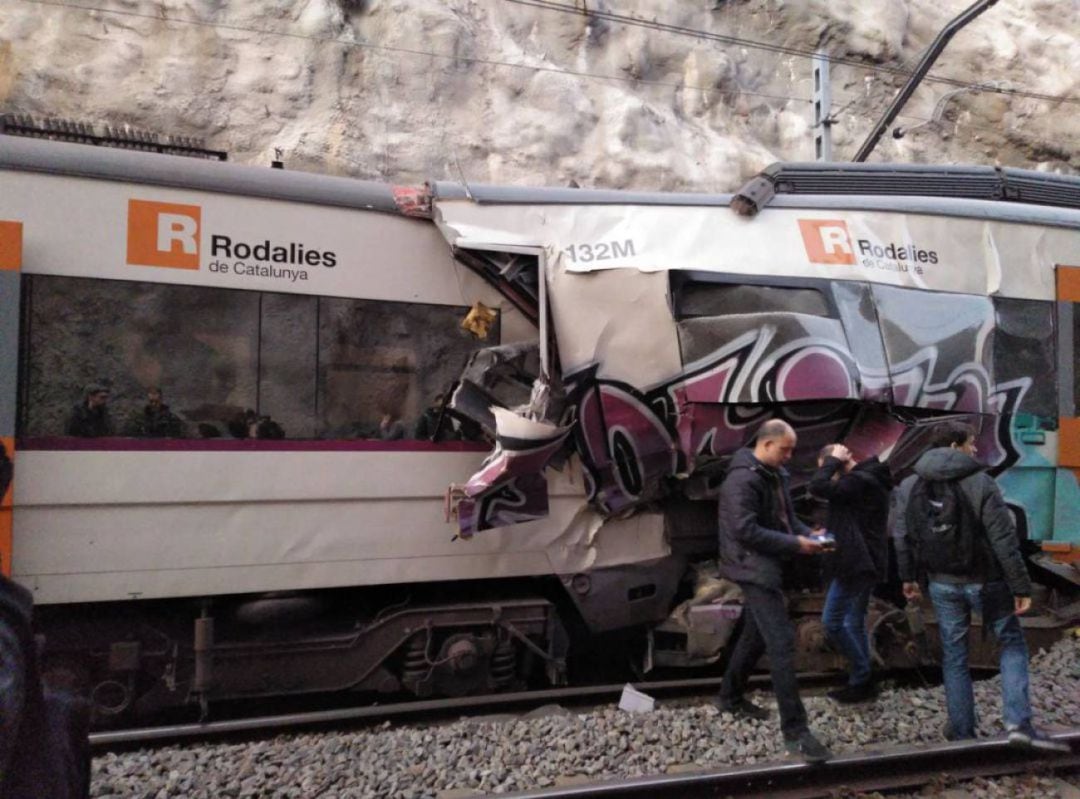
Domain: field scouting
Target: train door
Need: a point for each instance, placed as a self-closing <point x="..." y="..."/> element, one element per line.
<point x="1067" y="493"/>
<point x="506" y="391"/>
<point x="10" y="265"/>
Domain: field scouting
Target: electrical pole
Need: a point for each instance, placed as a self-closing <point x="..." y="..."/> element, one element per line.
<point x="822" y="108"/>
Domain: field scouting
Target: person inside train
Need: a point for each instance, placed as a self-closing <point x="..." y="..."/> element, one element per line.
<point x="434" y="423"/>
<point x="954" y="530"/>
<point x="90" y="417"/>
<point x="156" y="420"/>
<point x="858" y="508"/>
<point x="391" y="428"/>
<point x="251" y="425"/>
<point x="758" y="531"/>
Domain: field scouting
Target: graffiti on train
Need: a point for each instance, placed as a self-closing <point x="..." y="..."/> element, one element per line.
<point x="634" y="442"/>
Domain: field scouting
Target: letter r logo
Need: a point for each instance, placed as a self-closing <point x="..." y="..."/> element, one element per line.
<point x="827" y="241"/>
<point x="163" y="234"/>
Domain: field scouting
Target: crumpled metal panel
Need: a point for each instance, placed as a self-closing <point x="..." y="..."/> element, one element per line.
<point x="939" y="348"/>
<point x="510" y="487"/>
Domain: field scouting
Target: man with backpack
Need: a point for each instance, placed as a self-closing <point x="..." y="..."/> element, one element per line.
<point x="954" y="526"/>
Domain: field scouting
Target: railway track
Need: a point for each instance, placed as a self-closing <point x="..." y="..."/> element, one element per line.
<point x="887" y="769"/>
<point x="426" y="710"/>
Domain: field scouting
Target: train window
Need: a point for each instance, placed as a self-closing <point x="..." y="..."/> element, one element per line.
<point x="694" y="298"/>
<point x="199" y="345"/>
<point x="383" y="364"/>
<point x="1024" y="346"/>
<point x="233" y="364"/>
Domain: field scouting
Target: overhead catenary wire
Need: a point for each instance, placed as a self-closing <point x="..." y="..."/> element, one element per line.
<point x="681" y="30"/>
<point x="998" y="131"/>
<point x="163" y="17"/>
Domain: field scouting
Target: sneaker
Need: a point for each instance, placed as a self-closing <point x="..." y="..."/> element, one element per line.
<point x="1027" y="737"/>
<point x="741" y="707"/>
<point x="808" y="748"/>
<point x="852" y="694"/>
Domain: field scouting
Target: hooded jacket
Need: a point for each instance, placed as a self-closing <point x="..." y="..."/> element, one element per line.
<point x="997" y="549"/>
<point x="754" y="540"/>
<point x="857" y="516"/>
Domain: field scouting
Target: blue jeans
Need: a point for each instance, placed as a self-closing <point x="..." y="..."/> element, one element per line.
<point x="953" y="604"/>
<point x="844" y="618"/>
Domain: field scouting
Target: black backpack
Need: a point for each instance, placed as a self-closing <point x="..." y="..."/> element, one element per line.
<point x="943" y="526"/>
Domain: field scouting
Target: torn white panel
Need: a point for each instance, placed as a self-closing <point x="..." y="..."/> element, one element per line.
<point x="619" y="320"/>
<point x="590" y="541"/>
<point x="513" y="425"/>
<point x="913" y="250"/>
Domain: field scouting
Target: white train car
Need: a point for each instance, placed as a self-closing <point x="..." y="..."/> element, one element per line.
<point x="310" y="300"/>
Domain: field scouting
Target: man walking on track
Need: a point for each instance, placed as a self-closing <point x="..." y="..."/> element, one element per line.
<point x="758" y="531"/>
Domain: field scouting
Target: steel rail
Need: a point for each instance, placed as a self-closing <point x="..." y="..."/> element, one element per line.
<point x="894" y="768"/>
<point x="426" y="709"/>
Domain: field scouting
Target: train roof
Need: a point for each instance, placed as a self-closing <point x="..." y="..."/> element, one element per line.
<point x="819" y="179"/>
<point x="175" y="171"/>
<point x="1004" y="194"/>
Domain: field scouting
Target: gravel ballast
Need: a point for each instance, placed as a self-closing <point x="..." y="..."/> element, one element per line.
<point x="555" y="746"/>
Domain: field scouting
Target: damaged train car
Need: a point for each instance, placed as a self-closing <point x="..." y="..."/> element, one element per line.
<point x="457" y="439"/>
<point x="862" y="304"/>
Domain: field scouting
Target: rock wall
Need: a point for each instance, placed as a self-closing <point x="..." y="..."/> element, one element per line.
<point x="496" y="91"/>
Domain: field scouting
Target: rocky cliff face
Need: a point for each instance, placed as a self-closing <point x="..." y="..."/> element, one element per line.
<point x="497" y="91"/>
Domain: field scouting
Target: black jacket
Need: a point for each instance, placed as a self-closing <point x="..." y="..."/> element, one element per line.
<point x="157" y="422"/>
<point x="43" y="743"/>
<point x="857" y="516"/>
<point x="754" y="541"/>
<point x="997" y="554"/>
<point x="89" y="423"/>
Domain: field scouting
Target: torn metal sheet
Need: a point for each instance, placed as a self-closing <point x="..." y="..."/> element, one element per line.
<point x="510" y="487"/>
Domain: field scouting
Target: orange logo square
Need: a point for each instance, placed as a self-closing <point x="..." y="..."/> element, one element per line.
<point x="827" y="241"/>
<point x="163" y="234"/>
<point x="10" y="245"/>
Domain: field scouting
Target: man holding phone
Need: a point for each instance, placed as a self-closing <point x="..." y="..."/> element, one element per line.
<point x="758" y="532"/>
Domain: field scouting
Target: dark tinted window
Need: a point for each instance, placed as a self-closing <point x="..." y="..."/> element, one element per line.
<point x="699" y="298"/>
<point x="233" y="363"/>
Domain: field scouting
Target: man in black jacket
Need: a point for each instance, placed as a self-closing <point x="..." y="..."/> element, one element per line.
<point x="992" y="581"/>
<point x="90" y="418"/>
<point x="858" y="497"/>
<point x="758" y="531"/>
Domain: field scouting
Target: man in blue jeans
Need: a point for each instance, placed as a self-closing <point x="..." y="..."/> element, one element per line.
<point x="954" y="525"/>
<point x="858" y="497"/>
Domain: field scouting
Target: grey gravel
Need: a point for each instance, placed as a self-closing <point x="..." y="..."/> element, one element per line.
<point x="555" y="746"/>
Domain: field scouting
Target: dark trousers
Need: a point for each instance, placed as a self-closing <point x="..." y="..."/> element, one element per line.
<point x="767" y="629"/>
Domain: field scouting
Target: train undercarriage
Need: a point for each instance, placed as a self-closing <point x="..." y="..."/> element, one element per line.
<point x="152" y="660"/>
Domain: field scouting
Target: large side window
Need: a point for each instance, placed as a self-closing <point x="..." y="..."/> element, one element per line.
<point x="170" y="361"/>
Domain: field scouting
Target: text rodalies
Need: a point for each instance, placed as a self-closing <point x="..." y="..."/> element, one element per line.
<point x="266" y="258"/>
